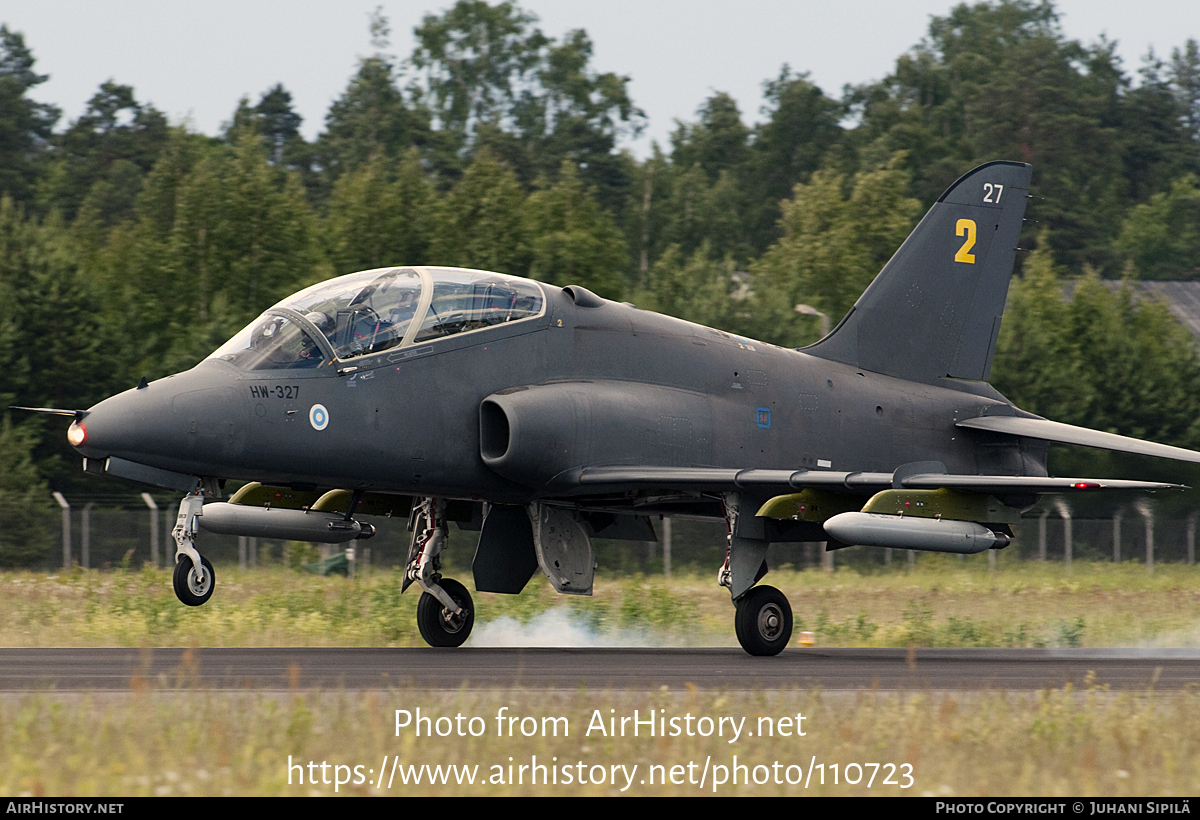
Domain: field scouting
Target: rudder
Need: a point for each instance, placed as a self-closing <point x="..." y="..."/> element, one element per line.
<point x="934" y="310"/>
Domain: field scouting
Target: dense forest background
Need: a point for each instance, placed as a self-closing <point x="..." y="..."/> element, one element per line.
<point x="131" y="248"/>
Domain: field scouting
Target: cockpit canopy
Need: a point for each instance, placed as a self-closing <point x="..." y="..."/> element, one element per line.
<point x="365" y="313"/>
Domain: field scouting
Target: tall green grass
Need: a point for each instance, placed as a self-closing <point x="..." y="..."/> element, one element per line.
<point x="944" y="602"/>
<point x="172" y="738"/>
<point x="188" y="742"/>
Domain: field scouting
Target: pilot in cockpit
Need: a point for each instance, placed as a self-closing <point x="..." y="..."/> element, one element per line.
<point x="402" y="314"/>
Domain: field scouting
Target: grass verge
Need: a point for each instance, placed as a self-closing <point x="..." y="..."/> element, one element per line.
<point x="944" y="602"/>
<point x="1053" y="743"/>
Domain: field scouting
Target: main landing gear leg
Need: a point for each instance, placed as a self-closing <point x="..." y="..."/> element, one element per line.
<point x="194" y="579"/>
<point x="445" y="612"/>
<point x="763" y="619"/>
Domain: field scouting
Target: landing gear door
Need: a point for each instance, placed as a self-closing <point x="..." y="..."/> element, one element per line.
<point x="564" y="549"/>
<point x="505" y="558"/>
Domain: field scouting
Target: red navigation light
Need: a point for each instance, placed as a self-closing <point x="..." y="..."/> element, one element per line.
<point x="76" y="434"/>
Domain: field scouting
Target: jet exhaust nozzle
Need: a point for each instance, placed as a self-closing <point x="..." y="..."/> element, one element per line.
<point x="287" y="525"/>
<point x="909" y="532"/>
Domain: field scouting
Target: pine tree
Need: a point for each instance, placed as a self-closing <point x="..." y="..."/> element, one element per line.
<point x="381" y="214"/>
<point x="480" y="222"/>
<point x="833" y="245"/>
<point x="573" y="242"/>
<point x="25" y="125"/>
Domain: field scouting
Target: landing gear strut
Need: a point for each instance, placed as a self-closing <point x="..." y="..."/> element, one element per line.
<point x="763" y="620"/>
<point x="194" y="579"/>
<point x="445" y="613"/>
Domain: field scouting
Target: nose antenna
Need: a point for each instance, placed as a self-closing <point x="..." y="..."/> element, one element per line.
<point x="52" y="411"/>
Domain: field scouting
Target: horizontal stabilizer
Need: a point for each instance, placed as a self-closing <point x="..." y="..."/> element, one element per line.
<point x="1046" y="430"/>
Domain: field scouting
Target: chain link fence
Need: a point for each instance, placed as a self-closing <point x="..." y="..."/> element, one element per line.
<point x="102" y="533"/>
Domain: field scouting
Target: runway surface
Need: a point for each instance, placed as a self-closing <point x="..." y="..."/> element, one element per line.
<point x="114" y="670"/>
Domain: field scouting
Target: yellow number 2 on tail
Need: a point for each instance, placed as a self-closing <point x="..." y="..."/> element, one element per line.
<point x="965" y="227"/>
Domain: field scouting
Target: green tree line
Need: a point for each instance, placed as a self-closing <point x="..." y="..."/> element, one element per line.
<point x="130" y="247"/>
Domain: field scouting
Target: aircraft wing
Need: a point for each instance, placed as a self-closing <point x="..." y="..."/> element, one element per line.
<point x="1005" y="484"/>
<point x="716" y="479"/>
<point x="1046" y="430"/>
<point x="719" y="479"/>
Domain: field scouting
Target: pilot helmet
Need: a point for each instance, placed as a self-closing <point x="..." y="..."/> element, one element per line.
<point x="323" y="321"/>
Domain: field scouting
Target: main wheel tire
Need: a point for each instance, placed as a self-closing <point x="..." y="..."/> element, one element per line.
<point x="438" y="625"/>
<point x="192" y="588"/>
<point x="763" y="621"/>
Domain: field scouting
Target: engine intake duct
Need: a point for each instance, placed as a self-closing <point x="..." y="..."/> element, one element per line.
<point x="532" y="434"/>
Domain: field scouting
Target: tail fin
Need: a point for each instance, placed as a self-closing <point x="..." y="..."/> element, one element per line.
<point x="934" y="310"/>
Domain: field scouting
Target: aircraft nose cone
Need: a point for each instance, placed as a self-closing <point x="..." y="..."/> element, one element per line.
<point x="184" y="423"/>
<point x="129" y="422"/>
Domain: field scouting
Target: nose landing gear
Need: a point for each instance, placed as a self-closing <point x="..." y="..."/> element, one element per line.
<point x="191" y="587"/>
<point x="194" y="579"/>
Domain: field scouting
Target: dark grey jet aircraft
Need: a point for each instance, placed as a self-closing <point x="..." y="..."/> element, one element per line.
<point x="546" y="416"/>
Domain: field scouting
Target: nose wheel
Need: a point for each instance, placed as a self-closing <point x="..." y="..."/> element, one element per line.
<point x="440" y="625"/>
<point x="763" y="621"/>
<point x="194" y="579"/>
<point x="192" y="587"/>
